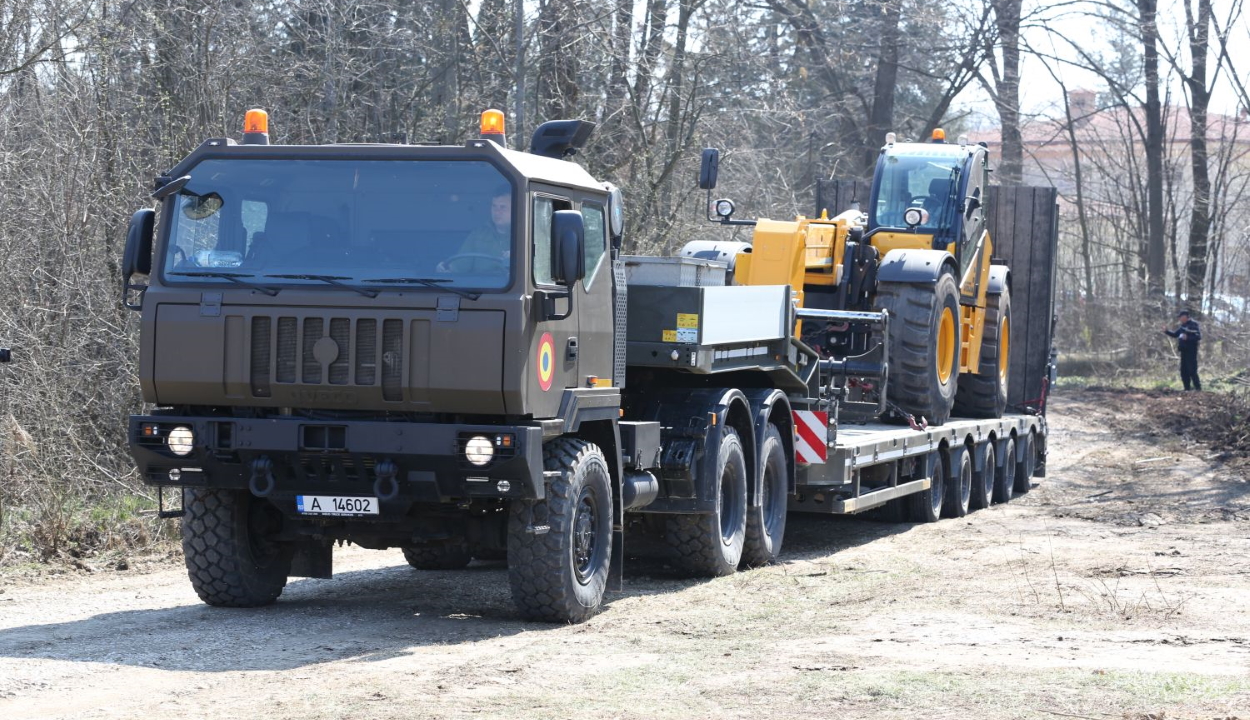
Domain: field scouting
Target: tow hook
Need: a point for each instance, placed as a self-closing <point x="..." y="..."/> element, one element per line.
<point x="386" y="487"/>
<point x="261" y="483"/>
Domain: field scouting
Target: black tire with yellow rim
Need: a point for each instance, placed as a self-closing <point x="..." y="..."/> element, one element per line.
<point x="984" y="394"/>
<point x="924" y="345"/>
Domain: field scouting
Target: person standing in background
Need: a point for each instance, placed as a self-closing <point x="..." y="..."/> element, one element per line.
<point x="1188" y="335"/>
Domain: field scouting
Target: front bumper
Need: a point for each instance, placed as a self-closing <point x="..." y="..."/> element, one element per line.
<point x="307" y="457"/>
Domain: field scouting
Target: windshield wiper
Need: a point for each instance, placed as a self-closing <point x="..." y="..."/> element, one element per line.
<point x="428" y="282"/>
<point x="335" y="280"/>
<point x="232" y="277"/>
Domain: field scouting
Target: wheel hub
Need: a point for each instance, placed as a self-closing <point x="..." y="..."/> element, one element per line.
<point x="584" y="540"/>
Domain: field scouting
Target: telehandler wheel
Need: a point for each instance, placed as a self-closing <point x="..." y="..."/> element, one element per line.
<point x="710" y="545"/>
<point x="959" y="489"/>
<point x="1005" y="477"/>
<point x="926" y="507"/>
<point x="924" y="345"/>
<point x="230" y="556"/>
<point x="984" y="394"/>
<point x="559" y="548"/>
<point x="1026" y="465"/>
<point x="983" y="481"/>
<point x="766" y="524"/>
<point x="452" y="556"/>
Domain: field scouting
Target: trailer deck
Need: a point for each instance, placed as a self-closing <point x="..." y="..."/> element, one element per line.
<point x="837" y="486"/>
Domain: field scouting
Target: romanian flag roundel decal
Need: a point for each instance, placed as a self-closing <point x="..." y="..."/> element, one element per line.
<point x="546" y="362"/>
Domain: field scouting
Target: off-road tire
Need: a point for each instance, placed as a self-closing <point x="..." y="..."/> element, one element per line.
<point x="1026" y="465"/>
<point x="983" y="482"/>
<point x="926" y="506"/>
<point x="710" y="545"/>
<point x="766" y="524"/>
<point x="1005" y="477"/>
<point x="959" y="487"/>
<point x="549" y="581"/>
<point x="915" y="316"/>
<point x="984" y="394"/>
<point x="452" y="556"/>
<point x="228" y="560"/>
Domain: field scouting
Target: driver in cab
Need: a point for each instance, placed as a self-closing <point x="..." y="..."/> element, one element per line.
<point x="487" y="249"/>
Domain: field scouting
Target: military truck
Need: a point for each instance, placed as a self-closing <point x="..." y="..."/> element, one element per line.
<point x="442" y="349"/>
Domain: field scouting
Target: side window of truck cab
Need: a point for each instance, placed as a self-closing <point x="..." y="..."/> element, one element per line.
<point x="596" y="240"/>
<point x="543" y="210"/>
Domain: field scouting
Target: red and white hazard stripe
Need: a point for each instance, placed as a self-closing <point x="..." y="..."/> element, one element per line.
<point x="811" y="437"/>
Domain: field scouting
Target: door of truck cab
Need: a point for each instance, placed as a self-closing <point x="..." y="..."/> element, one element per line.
<point x="575" y="351"/>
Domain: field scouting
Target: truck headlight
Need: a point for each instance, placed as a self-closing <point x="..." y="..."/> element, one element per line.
<point x="479" y="450"/>
<point x="181" y="440"/>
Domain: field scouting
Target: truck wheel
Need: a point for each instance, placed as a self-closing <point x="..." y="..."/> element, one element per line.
<point x="959" y="489"/>
<point x="559" y="575"/>
<point x="924" y="346"/>
<point x="438" y="557"/>
<point x="984" y="394"/>
<point x="711" y="545"/>
<point x="1005" y="477"/>
<point x="1026" y="466"/>
<point x="926" y="507"/>
<point x="230" y="556"/>
<point x="983" y="482"/>
<point x="766" y="524"/>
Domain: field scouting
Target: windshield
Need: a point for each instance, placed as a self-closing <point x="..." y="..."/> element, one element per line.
<point x="272" y="223"/>
<point x="920" y="179"/>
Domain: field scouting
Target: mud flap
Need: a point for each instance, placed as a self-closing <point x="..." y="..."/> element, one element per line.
<point x="313" y="559"/>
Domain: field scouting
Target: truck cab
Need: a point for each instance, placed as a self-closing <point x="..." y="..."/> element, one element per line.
<point x="370" y="343"/>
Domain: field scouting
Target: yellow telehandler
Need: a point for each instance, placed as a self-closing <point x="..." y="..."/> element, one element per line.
<point x="904" y="299"/>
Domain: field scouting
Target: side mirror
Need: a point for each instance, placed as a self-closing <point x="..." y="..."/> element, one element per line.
<point x="708" y="168"/>
<point x="137" y="257"/>
<point x="568" y="245"/>
<point x="616" y="215"/>
<point x="972" y="204"/>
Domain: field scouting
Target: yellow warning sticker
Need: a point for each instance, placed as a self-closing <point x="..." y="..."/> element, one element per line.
<point x="670" y="336"/>
<point x="687" y="320"/>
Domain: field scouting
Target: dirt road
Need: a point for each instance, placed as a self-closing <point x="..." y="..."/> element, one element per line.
<point x="1120" y="587"/>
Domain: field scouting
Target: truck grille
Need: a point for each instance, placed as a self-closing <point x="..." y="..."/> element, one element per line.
<point x="290" y="354"/>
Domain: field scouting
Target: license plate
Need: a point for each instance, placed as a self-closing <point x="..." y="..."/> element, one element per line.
<point x="336" y="505"/>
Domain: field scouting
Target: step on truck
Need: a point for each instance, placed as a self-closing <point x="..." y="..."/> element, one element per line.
<point x="441" y="349"/>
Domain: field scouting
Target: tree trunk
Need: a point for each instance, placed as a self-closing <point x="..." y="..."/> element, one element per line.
<point x="881" y="117"/>
<point x="1007" y="96"/>
<point x="1199" y="98"/>
<point x="1155" y="245"/>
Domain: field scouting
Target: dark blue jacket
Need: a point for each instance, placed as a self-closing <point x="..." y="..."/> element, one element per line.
<point x="1187" y="335"/>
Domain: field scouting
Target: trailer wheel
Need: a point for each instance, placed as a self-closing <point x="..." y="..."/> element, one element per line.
<point x="559" y="574"/>
<point x="983" y="482"/>
<point x="766" y="524"/>
<point x="452" y="556"/>
<point x="1026" y="465"/>
<point x="230" y="558"/>
<point x="1005" y="477"/>
<point x="926" y="506"/>
<point x="959" y="489"/>
<point x="984" y="394"/>
<point x="924" y="345"/>
<point x="711" y="544"/>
